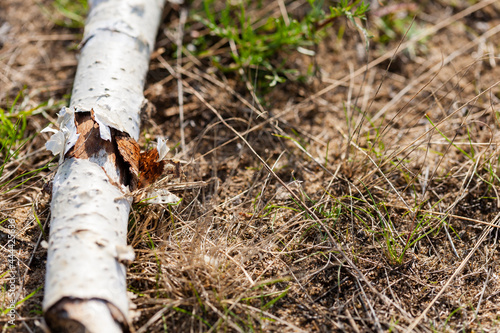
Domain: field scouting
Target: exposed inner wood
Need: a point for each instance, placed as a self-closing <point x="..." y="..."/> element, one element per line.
<point x="118" y="157"/>
<point x="89" y="142"/>
<point x="129" y="150"/>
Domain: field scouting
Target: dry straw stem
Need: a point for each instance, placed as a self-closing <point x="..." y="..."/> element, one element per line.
<point x="447" y="214"/>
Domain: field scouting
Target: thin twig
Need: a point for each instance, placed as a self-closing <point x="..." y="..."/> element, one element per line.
<point x="374" y="315"/>
<point x="180" y="34"/>
<point x="482" y="292"/>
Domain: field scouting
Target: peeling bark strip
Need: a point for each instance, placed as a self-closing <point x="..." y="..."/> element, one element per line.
<point x="85" y="287"/>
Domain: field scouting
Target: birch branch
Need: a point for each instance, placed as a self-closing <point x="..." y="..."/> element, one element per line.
<point x="85" y="287"/>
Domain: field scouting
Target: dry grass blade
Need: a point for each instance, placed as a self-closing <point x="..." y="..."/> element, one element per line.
<point x="180" y="35"/>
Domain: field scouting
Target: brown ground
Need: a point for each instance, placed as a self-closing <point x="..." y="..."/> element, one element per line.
<point x="239" y="253"/>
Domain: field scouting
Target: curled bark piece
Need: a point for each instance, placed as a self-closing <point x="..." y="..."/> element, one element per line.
<point x="64" y="139"/>
<point x="85" y="287"/>
<point x="162" y="196"/>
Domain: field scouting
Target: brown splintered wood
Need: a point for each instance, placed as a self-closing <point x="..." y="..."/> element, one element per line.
<point x="135" y="169"/>
<point x="129" y="150"/>
<point x="121" y="151"/>
<point x="149" y="169"/>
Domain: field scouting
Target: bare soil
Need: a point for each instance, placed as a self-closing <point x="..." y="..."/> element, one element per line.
<point x="391" y="152"/>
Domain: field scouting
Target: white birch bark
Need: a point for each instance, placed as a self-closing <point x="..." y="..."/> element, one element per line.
<point x="85" y="287"/>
